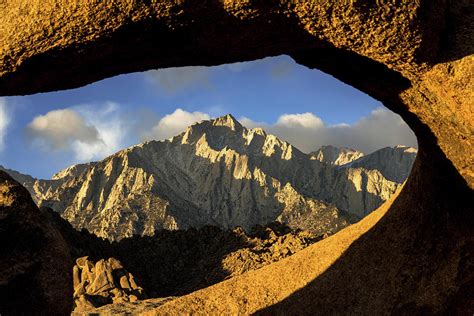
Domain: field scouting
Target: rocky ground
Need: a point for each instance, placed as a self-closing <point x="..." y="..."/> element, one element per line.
<point x="171" y="263"/>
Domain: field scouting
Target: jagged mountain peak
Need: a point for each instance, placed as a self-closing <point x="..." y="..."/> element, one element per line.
<point x="336" y="155"/>
<point x="72" y="171"/>
<point x="227" y="121"/>
<point x="226" y="133"/>
<point x="219" y="172"/>
<point x="224" y="129"/>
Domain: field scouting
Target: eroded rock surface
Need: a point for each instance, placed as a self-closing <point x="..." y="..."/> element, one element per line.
<point x="105" y="282"/>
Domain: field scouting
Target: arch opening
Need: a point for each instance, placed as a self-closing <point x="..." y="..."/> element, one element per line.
<point x="298" y="146"/>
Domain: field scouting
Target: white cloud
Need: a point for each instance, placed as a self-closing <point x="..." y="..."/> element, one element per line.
<point x="381" y="128"/>
<point x="304" y="120"/>
<point x="112" y="128"/>
<point x="238" y="67"/>
<point x="308" y="132"/>
<point x="249" y="123"/>
<point x="89" y="131"/>
<point x="176" y="80"/>
<point x="245" y="65"/>
<point x="58" y="128"/>
<point x="175" y="123"/>
<point x="4" y="122"/>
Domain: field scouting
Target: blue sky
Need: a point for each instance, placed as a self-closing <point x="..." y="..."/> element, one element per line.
<point x="43" y="133"/>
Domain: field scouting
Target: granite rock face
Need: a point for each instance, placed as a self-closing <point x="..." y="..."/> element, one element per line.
<point x="216" y="173"/>
<point x="335" y="155"/>
<point x="105" y="282"/>
<point x="393" y="163"/>
<point x="416" y="57"/>
<point x="35" y="262"/>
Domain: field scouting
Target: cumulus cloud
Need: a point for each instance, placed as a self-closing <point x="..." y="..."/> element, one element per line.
<point x="111" y="126"/>
<point x="306" y="120"/>
<point x="4" y="122"/>
<point x="90" y="132"/>
<point x="176" y="80"/>
<point x="308" y="132"/>
<point x="58" y="128"/>
<point x="175" y="123"/>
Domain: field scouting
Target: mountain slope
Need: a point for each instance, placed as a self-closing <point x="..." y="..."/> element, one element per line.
<point x="393" y="163"/>
<point x="336" y="156"/>
<point x="215" y="173"/>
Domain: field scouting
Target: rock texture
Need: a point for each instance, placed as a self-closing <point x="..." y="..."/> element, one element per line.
<point x="102" y="283"/>
<point x="183" y="261"/>
<point x="175" y="263"/>
<point x="35" y="263"/>
<point x="335" y="155"/>
<point x="408" y="54"/>
<point x="219" y="173"/>
<point x="171" y="263"/>
<point x="393" y="163"/>
<point x="414" y="56"/>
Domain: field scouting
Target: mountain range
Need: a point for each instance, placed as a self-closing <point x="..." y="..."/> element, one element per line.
<point x="220" y="173"/>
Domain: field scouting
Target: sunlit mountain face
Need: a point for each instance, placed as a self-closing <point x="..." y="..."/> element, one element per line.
<point x="218" y="172"/>
<point x="305" y="107"/>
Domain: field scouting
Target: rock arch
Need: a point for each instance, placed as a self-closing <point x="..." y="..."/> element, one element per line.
<point x="412" y="255"/>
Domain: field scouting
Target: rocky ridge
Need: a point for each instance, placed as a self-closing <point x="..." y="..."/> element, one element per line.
<point x="394" y="163"/>
<point x="336" y="155"/>
<point x="215" y="173"/>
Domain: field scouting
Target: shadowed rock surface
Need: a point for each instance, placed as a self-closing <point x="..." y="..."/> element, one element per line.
<point x="171" y="263"/>
<point x="414" y="56"/>
<point x="35" y="262"/>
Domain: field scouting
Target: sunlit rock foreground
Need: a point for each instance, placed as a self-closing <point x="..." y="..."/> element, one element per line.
<point x="220" y="173"/>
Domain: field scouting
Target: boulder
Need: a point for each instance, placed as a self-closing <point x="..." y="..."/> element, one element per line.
<point x="103" y="282"/>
